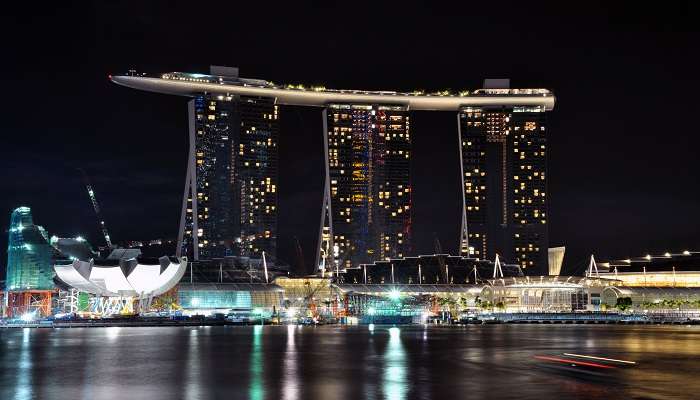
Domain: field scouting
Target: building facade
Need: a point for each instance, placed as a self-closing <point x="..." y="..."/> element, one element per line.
<point x="504" y="170"/>
<point x="368" y="183"/>
<point x="230" y="202"/>
<point x="435" y="269"/>
<point x="366" y="210"/>
<point x="681" y="269"/>
<point x="29" y="254"/>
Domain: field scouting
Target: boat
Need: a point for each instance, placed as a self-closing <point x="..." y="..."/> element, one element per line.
<point x="583" y="365"/>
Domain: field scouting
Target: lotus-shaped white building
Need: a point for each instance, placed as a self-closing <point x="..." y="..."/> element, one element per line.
<point x="133" y="277"/>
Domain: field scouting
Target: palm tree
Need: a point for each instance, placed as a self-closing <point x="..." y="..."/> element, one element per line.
<point x="166" y="302"/>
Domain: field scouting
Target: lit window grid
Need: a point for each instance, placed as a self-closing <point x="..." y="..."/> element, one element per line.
<point x="258" y="172"/>
<point x="473" y="129"/>
<point x="529" y="160"/>
<point x="523" y="135"/>
<point x="253" y="156"/>
<point x="369" y="154"/>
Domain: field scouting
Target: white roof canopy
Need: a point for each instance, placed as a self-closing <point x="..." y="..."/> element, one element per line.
<point x="128" y="278"/>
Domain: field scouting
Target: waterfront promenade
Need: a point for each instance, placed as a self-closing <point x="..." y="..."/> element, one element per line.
<point x="671" y="318"/>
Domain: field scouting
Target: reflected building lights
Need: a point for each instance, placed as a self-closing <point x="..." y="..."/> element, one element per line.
<point x="193" y="370"/>
<point x="290" y="380"/>
<point x="256" y="387"/>
<point x="24" y="368"/>
<point x="394" y="382"/>
<point x="113" y="333"/>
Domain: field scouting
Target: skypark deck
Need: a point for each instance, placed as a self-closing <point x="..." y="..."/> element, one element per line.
<point x="185" y="84"/>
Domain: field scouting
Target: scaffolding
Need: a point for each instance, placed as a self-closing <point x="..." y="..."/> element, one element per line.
<point x="29" y="301"/>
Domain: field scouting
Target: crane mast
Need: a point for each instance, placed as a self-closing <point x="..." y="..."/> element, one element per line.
<point x="96" y="207"/>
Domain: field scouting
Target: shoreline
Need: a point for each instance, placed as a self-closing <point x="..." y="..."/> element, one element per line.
<point x="125" y="324"/>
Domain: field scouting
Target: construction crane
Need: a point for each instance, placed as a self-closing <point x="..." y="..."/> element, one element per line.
<point x="441" y="260"/>
<point x="309" y="299"/>
<point x="300" y="256"/>
<point x="96" y="206"/>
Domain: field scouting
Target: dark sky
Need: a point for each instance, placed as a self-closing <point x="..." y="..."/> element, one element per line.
<point x="623" y="168"/>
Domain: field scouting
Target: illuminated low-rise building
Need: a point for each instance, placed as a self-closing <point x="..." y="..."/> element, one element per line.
<point x="648" y="299"/>
<point x="133" y="277"/>
<point x="436" y="269"/>
<point x="309" y="296"/>
<point x="413" y="288"/>
<point x="211" y="298"/>
<point x="226" y="284"/>
<point x="667" y="283"/>
<point x="665" y="270"/>
<point x="515" y="294"/>
<point x="546" y="293"/>
<point x="123" y="283"/>
<point x="407" y="303"/>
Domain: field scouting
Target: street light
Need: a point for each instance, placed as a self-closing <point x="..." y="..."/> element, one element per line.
<point x="394" y="294"/>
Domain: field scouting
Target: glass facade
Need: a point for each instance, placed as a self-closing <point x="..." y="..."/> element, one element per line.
<point x="236" y="177"/>
<point x="256" y="160"/>
<point x="223" y="297"/>
<point x="504" y="165"/>
<point x="29" y="254"/>
<point x="369" y="151"/>
<point x="300" y="290"/>
<point x="214" y="299"/>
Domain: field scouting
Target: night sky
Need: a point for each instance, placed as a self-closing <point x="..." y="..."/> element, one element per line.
<point x="623" y="138"/>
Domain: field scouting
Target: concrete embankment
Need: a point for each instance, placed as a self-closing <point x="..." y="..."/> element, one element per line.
<point x="594" y="318"/>
<point x="119" y="323"/>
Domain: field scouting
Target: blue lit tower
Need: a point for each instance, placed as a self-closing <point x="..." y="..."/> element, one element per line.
<point x="29" y="254"/>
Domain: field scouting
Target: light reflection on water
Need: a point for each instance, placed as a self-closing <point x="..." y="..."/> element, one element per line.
<point x="113" y="332"/>
<point x="192" y="366"/>
<point x="257" y="390"/>
<point x="290" y="389"/>
<point x="24" y="368"/>
<point x="394" y="367"/>
<point x="352" y="362"/>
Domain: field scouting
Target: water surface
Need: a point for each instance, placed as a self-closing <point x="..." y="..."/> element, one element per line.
<point x="343" y="362"/>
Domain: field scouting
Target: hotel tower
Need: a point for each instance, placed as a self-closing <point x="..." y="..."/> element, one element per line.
<point x="230" y="200"/>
